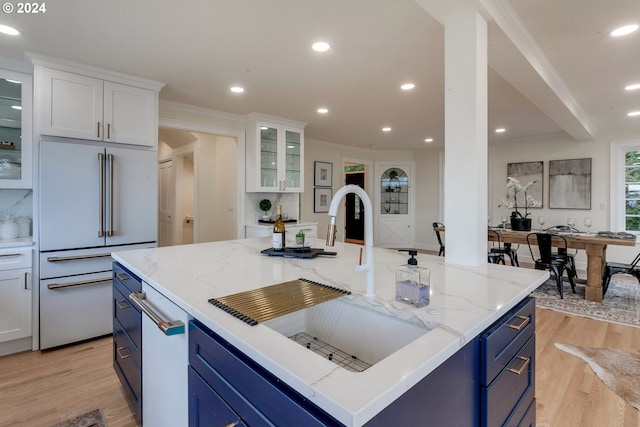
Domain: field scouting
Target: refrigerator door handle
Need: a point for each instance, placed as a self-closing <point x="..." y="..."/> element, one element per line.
<point x="110" y="159"/>
<point x="102" y="182"/>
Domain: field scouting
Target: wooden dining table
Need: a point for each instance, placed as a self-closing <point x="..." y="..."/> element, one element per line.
<point x="595" y="247"/>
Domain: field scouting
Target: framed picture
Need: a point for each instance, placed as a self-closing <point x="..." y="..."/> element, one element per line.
<point x="526" y="172"/>
<point x="570" y="184"/>
<point x="323" y="172"/>
<point x="322" y="199"/>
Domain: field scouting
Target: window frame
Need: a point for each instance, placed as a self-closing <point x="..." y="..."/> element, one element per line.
<point x="617" y="167"/>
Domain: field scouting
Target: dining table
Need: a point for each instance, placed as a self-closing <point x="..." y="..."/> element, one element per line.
<point x="594" y="245"/>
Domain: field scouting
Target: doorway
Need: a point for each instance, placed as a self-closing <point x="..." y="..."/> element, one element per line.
<point x="354" y="212"/>
<point x="396" y="204"/>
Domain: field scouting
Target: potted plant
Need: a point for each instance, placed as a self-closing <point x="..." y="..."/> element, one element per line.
<point x="519" y="221"/>
<point x="265" y="205"/>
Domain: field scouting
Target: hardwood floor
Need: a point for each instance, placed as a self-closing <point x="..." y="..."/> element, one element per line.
<point x="41" y="388"/>
<point x="38" y="389"/>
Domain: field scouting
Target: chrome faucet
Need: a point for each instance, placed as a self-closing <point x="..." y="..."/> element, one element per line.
<point x="368" y="231"/>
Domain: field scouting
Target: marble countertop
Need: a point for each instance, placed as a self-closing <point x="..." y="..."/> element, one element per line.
<point x="464" y="302"/>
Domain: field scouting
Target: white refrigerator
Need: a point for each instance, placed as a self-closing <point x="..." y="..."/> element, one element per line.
<point x="94" y="198"/>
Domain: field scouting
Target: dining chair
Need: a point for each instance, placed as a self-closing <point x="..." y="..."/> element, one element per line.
<point x="546" y="261"/>
<point x="506" y="249"/>
<point x="497" y="252"/>
<point x="436" y="227"/>
<point x="563" y="253"/>
<point x="612" y="268"/>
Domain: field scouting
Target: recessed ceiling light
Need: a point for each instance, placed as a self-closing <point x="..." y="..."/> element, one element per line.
<point x="428" y="140"/>
<point x="633" y="86"/>
<point x="263" y="128"/>
<point x="386" y="129"/>
<point x="10" y="31"/>
<point x="17" y="107"/>
<point x="323" y="110"/>
<point x="633" y="113"/>
<point x="500" y="130"/>
<point x="321" y="46"/>
<point x="407" y="86"/>
<point x="237" y="89"/>
<point x="623" y="31"/>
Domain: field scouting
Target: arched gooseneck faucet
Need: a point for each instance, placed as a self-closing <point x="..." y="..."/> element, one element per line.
<point x="368" y="231"/>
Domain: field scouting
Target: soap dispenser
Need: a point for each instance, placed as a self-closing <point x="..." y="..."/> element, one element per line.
<point x="412" y="282"/>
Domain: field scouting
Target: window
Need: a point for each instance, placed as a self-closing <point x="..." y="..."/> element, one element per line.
<point x="625" y="186"/>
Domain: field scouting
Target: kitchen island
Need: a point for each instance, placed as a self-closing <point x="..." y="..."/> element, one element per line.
<point x="465" y="301"/>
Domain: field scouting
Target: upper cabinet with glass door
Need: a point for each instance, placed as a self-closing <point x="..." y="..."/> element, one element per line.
<point x="275" y="156"/>
<point x="15" y="130"/>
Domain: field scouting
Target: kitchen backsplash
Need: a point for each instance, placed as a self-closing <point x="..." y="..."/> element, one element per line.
<point x="16" y="203"/>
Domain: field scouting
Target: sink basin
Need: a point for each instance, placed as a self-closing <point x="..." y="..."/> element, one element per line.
<point x="345" y="329"/>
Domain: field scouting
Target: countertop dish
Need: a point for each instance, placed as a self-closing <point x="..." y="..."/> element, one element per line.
<point x="464" y="301"/>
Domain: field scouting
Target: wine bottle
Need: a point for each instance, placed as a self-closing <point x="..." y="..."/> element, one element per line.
<point x="278" y="231"/>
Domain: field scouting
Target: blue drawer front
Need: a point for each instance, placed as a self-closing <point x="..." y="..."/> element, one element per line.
<point x="510" y="395"/>
<point x="206" y="407"/>
<point x="128" y="371"/>
<point x="129" y="280"/>
<point x="257" y="396"/>
<point x="500" y="343"/>
<point x="529" y="419"/>
<point x="127" y="315"/>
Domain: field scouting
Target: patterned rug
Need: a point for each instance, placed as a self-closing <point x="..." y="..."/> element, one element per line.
<point x="617" y="369"/>
<point x="621" y="303"/>
<point x="90" y="419"/>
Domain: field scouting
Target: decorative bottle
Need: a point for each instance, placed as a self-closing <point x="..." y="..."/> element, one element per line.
<point x="412" y="283"/>
<point x="278" y="231"/>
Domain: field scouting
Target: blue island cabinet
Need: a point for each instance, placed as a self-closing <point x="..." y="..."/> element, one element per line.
<point x="489" y="382"/>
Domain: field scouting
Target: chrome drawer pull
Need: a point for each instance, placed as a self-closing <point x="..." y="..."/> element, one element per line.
<point x="526" y="361"/>
<point x="82" y="283"/>
<point x="76" y="258"/>
<point x="168" y="327"/>
<point x="123" y="305"/>
<point x="126" y="355"/>
<point x="525" y="322"/>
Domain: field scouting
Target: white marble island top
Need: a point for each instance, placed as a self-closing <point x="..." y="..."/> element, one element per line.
<point x="464" y="302"/>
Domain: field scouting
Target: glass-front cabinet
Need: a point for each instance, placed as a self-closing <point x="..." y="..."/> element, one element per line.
<point x="15" y="130"/>
<point x="275" y="155"/>
<point x="394" y="188"/>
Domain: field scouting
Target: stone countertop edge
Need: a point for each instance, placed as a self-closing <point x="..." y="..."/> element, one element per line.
<point x="464" y="302"/>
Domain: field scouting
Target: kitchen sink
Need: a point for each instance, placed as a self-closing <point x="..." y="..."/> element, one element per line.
<point x="348" y="332"/>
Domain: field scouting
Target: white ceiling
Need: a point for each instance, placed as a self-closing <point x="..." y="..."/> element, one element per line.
<point x="200" y="48"/>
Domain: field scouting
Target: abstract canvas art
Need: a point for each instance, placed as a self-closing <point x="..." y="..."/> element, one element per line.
<point x="570" y="184"/>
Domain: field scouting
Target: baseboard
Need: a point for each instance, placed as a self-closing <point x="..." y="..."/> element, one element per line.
<point x="15" y="346"/>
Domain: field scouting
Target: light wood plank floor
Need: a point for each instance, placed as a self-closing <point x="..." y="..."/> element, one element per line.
<point x="38" y="389"/>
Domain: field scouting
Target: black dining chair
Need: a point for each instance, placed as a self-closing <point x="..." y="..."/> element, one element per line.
<point x="496" y="253"/>
<point x="436" y="226"/>
<point x="505" y="249"/>
<point x="547" y="262"/>
<point x="563" y="253"/>
<point x="612" y="268"/>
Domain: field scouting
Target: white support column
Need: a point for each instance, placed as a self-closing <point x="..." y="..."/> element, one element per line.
<point x="465" y="177"/>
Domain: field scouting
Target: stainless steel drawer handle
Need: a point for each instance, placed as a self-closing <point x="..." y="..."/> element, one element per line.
<point x="525" y="360"/>
<point x="525" y="322"/>
<point x="9" y="255"/>
<point x="123" y="305"/>
<point x="77" y="258"/>
<point x="125" y="355"/>
<point x="168" y="327"/>
<point x="81" y="283"/>
<point x="232" y="424"/>
<point x="122" y="276"/>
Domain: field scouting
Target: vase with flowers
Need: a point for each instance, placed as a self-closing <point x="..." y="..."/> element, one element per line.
<point x="519" y="221"/>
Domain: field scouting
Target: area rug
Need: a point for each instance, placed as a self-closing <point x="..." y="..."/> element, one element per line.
<point x="621" y="303"/>
<point x="90" y="419"/>
<point x="618" y="370"/>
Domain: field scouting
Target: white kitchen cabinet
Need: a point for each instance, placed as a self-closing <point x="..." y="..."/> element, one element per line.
<point x="275" y="156"/>
<point x="79" y="106"/>
<point x="15" y="294"/>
